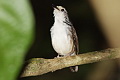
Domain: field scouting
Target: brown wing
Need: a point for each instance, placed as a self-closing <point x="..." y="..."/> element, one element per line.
<point x="75" y="40"/>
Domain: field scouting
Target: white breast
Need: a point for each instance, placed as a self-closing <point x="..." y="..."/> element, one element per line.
<point x="61" y="41"/>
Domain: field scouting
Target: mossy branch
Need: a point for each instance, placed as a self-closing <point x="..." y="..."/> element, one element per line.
<point x="39" y="66"/>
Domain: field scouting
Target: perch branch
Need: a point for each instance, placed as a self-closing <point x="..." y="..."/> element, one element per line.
<point x="39" y="66"/>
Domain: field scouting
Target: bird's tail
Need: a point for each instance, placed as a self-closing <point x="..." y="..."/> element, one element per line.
<point x="74" y="68"/>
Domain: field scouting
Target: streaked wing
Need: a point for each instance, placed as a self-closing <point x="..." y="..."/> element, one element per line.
<point x="75" y="40"/>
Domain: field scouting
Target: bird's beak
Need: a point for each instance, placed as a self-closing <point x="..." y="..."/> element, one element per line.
<point x="55" y="7"/>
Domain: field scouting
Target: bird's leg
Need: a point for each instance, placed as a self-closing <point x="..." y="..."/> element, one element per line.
<point x="58" y="56"/>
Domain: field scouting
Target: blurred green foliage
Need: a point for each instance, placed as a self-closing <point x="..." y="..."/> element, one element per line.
<point x="16" y="36"/>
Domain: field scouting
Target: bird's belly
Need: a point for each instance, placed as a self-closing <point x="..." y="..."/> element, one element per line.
<point x="62" y="43"/>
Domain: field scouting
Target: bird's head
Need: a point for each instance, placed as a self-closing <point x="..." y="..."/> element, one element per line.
<point x="60" y="12"/>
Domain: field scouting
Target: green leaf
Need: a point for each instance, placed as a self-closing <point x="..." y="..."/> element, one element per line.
<point x="16" y="36"/>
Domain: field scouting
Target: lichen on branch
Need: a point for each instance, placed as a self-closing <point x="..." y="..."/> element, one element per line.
<point x="39" y="66"/>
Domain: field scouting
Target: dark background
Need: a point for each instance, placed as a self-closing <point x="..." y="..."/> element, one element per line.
<point x="87" y="27"/>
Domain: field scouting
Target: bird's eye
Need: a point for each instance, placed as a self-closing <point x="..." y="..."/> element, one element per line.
<point x="62" y="10"/>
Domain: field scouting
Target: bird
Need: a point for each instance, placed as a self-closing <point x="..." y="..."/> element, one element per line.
<point x="63" y="35"/>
